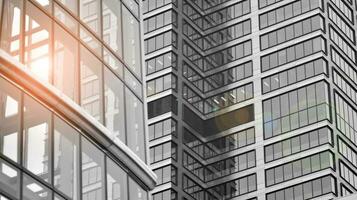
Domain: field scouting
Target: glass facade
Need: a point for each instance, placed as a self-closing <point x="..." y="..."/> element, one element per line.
<point x="71" y="48"/>
<point x="86" y="54"/>
<point x="264" y="98"/>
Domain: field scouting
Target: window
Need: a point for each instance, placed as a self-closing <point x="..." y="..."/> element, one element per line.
<point x="282" y="35"/>
<point x="10" y="119"/>
<point x="165" y="195"/>
<point x="345" y="86"/>
<point x="346" y="48"/>
<point x="290" y="10"/>
<point x="162" y="152"/>
<point x="344" y="9"/>
<point x="163" y="83"/>
<point x="295" y="144"/>
<point x="158" y="21"/>
<point x="220" y="16"/>
<point x="90" y="14"/>
<point x="294" y="75"/>
<point x="347" y="152"/>
<point x="71" y="5"/>
<point x="9" y="180"/>
<point x="133" y="6"/>
<point x="348" y="174"/>
<point x="66" y="63"/>
<point x="161" y="62"/>
<point x="33" y="189"/>
<point x="136" y="191"/>
<point x="37" y="42"/>
<point x="131" y="38"/>
<point x="161" y="106"/>
<point x="346" y="117"/>
<point x="37" y="123"/>
<point x="236" y="187"/>
<point x="163" y="128"/>
<point x="344" y="65"/>
<point x="160" y="41"/>
<point x="149" y="5"/>
<point x="166" y="174"/>
<point x="92" y="171"/>
<point x="116" y="181"/>
<point x="91" y="84"/>
<point x="300" y="167"/>
<point x="304" y="106"/>
<point x="66" y="162"/>
<point x="292" y="53"/>
<point x="114" y="105"/>
<point x="313" y="188"/>
<point x="112" y="30"/>
<point x="341" y="24"/>
<point x="11" y="28"/>
<point x="135" y="124"/>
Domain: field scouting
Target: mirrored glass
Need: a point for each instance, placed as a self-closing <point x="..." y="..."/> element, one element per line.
<point x="37" y="121"/>
<point x="66" y="161"/>
<point x="10" y="119"/>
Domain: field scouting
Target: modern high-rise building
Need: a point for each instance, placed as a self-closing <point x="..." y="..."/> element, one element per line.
<point x="251" y="99"/>
<point x="72" y="123"/>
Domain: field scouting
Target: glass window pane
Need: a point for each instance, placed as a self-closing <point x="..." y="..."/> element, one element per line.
<point x="66" y="19"/>
<point x="37" y="120"/>
<point x="91" y="84"/>
<point x="9" y="180"/>
<point x="92" y="172"/>
<point x="112" y="25"/>
<point x="136" y="192"/>
<point x="131" y="38"/>
<point x="114" y="105"/>
<point x="10" y="31"/>
<point x="9" y="119"/>
<point x="116" y="182"/>
<point x="66" y="162"/>
<point x="135" y="124"/>
<point x="90" y="14"/>
<point x="66" y="63"/>
<point x="33" y="189"/>
<point x="37" y="42"/>
<point x="70" y="4"/>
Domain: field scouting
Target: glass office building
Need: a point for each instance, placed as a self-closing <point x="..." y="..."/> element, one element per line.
<point x="251" y="99"/>
<point x="72" y="122"/>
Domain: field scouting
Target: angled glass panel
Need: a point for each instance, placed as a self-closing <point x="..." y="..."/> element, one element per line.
<point x="136" y="191"/>
<point x="37" y="122"/>
<point x="131" y="39"/>
<point x="37" y="42"/>
<point x="114" y="105"/>
<point x="11" y="27"/>
<point x="135" y="124"/>
<point x="33" y="189"/>
<point x="112" y="31"/>
<point x="117" y="182"/>
<point x="66" y="68"/>
<point x="9" y="180"/>
<point x="91" y="84"/>
<point x="92" y="172"/>
<point x="66" y="161"/>
<point x="10" y="119"/>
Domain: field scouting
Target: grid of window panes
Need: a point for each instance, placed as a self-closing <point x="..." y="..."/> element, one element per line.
<point x="89" y="50"/>
<point x="45" y="157"/>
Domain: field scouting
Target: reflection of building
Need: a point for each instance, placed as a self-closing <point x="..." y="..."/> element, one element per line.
<point x="71" y="103"/>
<point x="262" y="95"/>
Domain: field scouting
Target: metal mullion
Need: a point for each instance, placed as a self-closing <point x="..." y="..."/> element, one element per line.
<point x="105" y="177"/>
<point x="51" y="153"/>
<point x="80" y="167"/>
